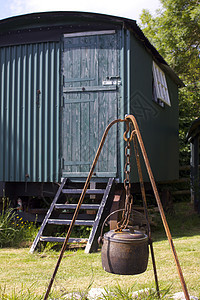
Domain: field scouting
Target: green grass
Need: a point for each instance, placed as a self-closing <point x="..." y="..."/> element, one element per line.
<point x="29" y="274"/>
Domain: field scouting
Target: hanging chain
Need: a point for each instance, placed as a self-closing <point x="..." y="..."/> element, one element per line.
<point x="123" y="223"/>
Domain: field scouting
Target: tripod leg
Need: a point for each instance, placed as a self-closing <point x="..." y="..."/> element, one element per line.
<point x="154" y="268"/>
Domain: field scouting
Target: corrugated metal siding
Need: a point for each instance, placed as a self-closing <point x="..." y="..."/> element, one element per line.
<point x="29" y="127"/>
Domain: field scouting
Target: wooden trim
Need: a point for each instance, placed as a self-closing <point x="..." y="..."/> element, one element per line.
<point x="89" y="33"/>
<point x="85" y="89"/>
<point x="85" y="174"/>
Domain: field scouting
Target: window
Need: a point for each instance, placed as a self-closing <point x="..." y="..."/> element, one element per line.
<point x="160" y="90"/>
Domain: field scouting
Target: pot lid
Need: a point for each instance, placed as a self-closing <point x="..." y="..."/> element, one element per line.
<point x="126" y="235"/>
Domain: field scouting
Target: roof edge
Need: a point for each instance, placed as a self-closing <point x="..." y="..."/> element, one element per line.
<point x="39" y="17"/>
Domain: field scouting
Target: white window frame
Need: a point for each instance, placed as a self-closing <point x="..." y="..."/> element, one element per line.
<point x="160" y="84"/>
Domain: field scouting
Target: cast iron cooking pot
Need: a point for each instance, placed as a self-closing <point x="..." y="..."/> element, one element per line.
<point x="125" y="252"/>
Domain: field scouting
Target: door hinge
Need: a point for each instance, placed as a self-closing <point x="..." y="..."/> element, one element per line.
<point x="62" y="101"/>
<point x="62" y="161"/>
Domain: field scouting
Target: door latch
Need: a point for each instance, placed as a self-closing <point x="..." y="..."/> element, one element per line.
<point x="112" y="80"/>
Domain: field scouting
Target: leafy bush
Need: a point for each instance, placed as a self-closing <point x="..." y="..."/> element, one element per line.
<point x="13" y="230"/>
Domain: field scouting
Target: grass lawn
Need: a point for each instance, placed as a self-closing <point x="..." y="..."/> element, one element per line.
<point x="21" y="271"/>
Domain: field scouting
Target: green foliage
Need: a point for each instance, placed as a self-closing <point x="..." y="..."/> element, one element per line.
<point x="118" y="292"/>
<point x="175" y="32"/>
<point x="189" y="110"/>
<point x="7" y="231"/>
<point x="25" y="293"/>
<point x="127" y="293"/>
<point x="13" y="230"/>
<point x="81" y="231"/>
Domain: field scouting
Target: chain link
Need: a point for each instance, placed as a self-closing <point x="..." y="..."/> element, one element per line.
<point x="123" y="223"/>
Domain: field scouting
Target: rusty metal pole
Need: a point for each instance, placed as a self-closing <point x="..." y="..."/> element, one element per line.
<point x="79" y="204"/>
<point x="146" y="211"/>
<point x="128" y="118"/>
<point x="132" y="119"/>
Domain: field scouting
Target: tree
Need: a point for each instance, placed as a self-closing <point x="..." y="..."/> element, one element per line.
<point x="175" y="32"/>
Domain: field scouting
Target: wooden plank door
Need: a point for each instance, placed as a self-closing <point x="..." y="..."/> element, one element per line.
<point x="91" y="84"/>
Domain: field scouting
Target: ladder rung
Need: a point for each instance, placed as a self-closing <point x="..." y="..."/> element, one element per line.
<point x="73" y="206"/>
<point x="85" y="221"/>
<point x="62" y="239"/>
<point x="79" y="191"/>
<point x="68" y="222"/>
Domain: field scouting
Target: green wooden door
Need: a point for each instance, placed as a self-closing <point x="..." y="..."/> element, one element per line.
<point x="91" y="87"/>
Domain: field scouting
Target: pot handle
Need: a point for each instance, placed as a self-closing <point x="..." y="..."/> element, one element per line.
<point x="100" y="239"/>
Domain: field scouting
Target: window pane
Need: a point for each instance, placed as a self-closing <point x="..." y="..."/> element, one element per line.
<point x="160" y="84"/>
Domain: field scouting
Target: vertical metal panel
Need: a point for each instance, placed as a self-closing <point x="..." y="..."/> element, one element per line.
<point x="29" y="127"/>
<point x="158" y="126"/>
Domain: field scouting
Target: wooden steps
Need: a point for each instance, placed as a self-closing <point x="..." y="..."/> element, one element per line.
<point x="73" y="206"/>
<point x="54" y="239"/>
<point x="67" y="222"/>
<point x="60" y="214"/>
<point x="79" y="191"/>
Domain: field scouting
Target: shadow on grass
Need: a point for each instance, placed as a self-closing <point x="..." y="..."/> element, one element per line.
<point x="183" y="222"/>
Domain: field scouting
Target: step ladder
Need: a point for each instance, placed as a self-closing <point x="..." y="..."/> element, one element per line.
<point x="57" y="215"/>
